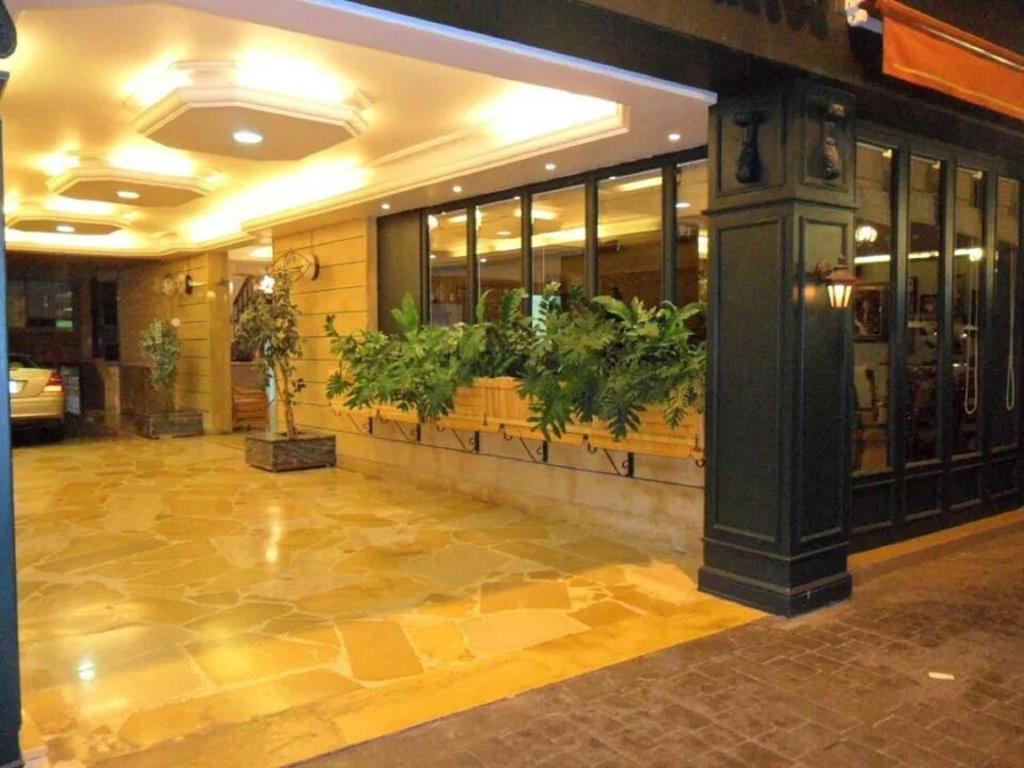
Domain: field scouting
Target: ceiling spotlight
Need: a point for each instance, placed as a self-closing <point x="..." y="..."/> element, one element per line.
<point x="549" y="166"/>
<point x="483" y="259"/>
<point x="385" y="206"/>
<point x="674" y="136"/>
<point x="433" y="255"/>
<point x="250" y="138"/>
<point x="504" y="233"/>
<point x="682" y="204"/>
<point x="127" y="194"/>
<point x="457" y="189"/>
<point x="65" y="229"/>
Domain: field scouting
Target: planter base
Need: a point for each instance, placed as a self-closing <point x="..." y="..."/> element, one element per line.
<point x="278" y="453"/>
<point x="170" y="424"/>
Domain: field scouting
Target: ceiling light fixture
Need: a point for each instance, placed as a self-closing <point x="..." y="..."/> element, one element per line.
<point x="65" y="229"/>
<point x="385" y="206"/>
<point x="674" y="136"/>
<point x="127" y="194"/>
<point x="249" y="138"/>
<point x="682" y="204"/>
<point x="457" y="189"/>
<point x="504" y="233"/>
<point x="549" y="166"/>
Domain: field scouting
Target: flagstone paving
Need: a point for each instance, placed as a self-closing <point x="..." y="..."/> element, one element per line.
<point x="181" y="608"/>
<point x="923" y="668"/>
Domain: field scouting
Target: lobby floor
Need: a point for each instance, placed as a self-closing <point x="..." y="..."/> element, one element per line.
<point x="181" y="608"/>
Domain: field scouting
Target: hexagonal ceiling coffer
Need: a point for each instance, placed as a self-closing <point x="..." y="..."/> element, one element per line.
<point x="92" y="179"/>
<point x="213" y="107"/>
<point x="62" y="225"/>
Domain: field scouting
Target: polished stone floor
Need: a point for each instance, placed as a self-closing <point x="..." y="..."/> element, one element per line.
<point x="181" y="608"/>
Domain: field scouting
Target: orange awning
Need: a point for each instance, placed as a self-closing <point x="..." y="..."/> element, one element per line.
<point x="931" y="53"/>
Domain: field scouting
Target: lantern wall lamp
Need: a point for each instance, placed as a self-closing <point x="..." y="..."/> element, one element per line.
<point x="839" y="281"/>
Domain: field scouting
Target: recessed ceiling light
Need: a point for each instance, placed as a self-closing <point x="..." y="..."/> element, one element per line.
<point x="127" y="194"/>
<point x="549" y="166"/>
<point x="250" y="138"/>
<point x="504" y="233"/>
<point x="674" y="136"/>
<point x="483" y="260"/>
<point x="65" y="229"/>
<point x="682" y="204"/>
<point x="457" y="189"/>
<point x="433" y="255"/>
<point x="385" y="206"/>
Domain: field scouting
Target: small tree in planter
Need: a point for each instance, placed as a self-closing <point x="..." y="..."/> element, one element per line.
<point x="161" y="346"/>
<point x="269" y="331"/>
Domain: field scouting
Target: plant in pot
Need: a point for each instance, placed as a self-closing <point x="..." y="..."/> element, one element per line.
<point x="161" y="346"/>
<point x="413" y="376"/>
<point x="627" y="376"/>
<point x="269" y="331"/>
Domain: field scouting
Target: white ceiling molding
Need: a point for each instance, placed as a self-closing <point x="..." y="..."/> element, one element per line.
<point x="93" y="179"/>
<point x="205" y="103"/>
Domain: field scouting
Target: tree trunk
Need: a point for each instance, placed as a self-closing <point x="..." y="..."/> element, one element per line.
<point x="284" y="389"/>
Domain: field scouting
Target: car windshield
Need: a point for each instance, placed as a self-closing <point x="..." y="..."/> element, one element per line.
<point x="21" y="361"/>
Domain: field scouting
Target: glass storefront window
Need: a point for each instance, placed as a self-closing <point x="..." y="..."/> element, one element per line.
<point x="559" y="239"/>
<point x="968" y="300"/>
<point x="872" y="309"/>
<point x="449" y="279"/>
<point x="629" y="237"/>
<point x="691" y="233"/>
<point x="499" y="251"/>
<point x="43" y="304"/>
<point x="1006" y="316"/>
<point x="924" y="302"/>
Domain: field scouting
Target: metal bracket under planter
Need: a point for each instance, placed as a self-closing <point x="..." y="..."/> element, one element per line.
<point x="279" y="453"/>
<point x="170" y="424"/>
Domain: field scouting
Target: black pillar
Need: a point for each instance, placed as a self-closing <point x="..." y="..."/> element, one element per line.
<point x="782" y="199"/>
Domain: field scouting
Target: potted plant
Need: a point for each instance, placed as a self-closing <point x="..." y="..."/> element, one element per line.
<point x="269" y="331"/>
<point x="161" y="346"/>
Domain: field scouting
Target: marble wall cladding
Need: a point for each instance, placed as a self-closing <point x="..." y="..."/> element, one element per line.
<point x="180" y="607"/>
<point x="204" y="382"/>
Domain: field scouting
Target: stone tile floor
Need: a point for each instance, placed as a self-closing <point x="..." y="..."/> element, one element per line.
<point x="849" y="686"/>
<point x="181" y="608"/>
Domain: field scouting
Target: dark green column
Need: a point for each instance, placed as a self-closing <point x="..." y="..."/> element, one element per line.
<point x="782" y="198"/>
<point x="10" y="676"/>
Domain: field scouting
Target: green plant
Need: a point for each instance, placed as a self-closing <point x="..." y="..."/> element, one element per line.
<point x="161" y="345"/>
<point x="418" y="370"/>
<point x="610" y="360"/>
<point x="269" y="331"/>
<point x="492" y="349"/>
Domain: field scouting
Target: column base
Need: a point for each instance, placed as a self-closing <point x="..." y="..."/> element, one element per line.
<point x="772" y="598"/>
<point x="10" y="749"/>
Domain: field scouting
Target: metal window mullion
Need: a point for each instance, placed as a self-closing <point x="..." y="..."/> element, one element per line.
<point x="472" y="266"/>
<point x="425" y="267"/>
<point x="669" y="233"/>
<point x="590" y="273"/>
<point x="898" y="274"/>
<point x="526" y="238"/>
<point x="945" y="378"/>
<point x="986" y="335"/>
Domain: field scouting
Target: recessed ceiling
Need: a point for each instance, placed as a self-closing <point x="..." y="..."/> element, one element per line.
<point x="221" y="108"/>
<point x="441" y="110"/>
<point x="65" y="225"/>
<point x="129" y="188"/>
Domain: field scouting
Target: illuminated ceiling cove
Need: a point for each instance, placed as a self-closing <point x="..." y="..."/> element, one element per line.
<point x="170" y="129"/>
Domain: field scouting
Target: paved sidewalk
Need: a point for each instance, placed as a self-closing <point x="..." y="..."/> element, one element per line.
<point x="848" y="686"/>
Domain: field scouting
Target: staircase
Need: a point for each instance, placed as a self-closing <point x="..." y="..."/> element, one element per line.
<point x="248" y="398"/>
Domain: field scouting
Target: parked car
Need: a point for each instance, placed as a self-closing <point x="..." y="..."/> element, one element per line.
<point x="37" y="396"/>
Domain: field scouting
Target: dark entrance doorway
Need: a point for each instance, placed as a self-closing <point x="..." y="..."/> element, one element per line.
<point x="936" y="339"/>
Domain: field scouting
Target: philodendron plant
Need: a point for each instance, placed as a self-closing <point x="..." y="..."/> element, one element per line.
<point x="605" y="359"/>
<point x="161" y="346"/>
<point x="269" y="331"/>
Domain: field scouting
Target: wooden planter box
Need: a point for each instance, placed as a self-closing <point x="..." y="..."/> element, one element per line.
<point x="279" y="453"/>
<point x="509" y="411"/>
<point x="169" y="424"/>
<point x="468" y="412"/>
<point x="655" y="436"/>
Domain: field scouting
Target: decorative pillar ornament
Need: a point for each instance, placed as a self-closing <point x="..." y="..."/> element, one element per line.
<point x="8" y="34"/>
<point x="748" y="165"/>
<point x="832" y="158"/>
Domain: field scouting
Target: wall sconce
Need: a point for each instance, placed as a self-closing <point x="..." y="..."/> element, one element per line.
<point x="839" y="281"/>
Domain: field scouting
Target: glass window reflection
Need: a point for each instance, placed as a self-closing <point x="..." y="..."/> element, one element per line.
<point x="558" y="239"/>
<point x="629" y="237"/>
<point x="499" y="252"/>
<point x="448" y="267"/>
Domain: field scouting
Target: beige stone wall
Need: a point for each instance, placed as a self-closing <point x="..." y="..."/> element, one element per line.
<point x="662" y="504"/>
<point x="204" y="373"/>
